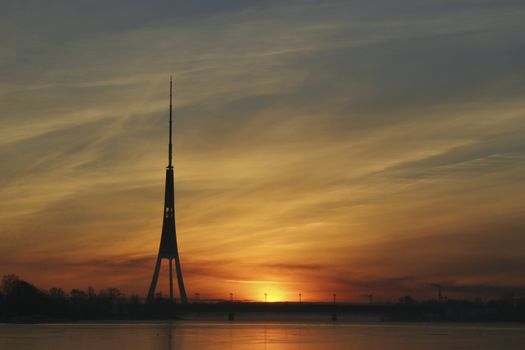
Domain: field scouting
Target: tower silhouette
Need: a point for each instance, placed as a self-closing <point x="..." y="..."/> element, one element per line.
<point x="168" y="240"/>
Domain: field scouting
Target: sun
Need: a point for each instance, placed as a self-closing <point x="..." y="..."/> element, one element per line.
<point x="268" y="290"/>
<point x="272" y="294"/>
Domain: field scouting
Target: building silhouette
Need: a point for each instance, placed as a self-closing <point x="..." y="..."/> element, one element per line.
<point x="168" y="241"/>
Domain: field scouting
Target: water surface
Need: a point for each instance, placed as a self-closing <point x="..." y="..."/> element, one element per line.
<point x="198" y="335"/>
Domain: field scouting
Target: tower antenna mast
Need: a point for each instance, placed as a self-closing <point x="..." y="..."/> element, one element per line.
<point x="170" y="165"/>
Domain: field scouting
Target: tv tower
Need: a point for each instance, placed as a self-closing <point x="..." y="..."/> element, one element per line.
<point x="168" y="240"/>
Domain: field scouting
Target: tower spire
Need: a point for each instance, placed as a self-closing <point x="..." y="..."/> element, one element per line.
<point x="170" y="145"/>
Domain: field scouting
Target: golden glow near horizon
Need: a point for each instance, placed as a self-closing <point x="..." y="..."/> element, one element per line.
<point x="318" y="147"/>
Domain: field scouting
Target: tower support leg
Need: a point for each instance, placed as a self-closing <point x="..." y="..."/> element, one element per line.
<point x="171" y="279"/>
<point x="153" y="286"/>
<point x="182" y="291"/>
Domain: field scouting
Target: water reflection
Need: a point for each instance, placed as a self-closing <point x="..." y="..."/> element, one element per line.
<point x="170" y="335"/>
<point x="179" y="335"/>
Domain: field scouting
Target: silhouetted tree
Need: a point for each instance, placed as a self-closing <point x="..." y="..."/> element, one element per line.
<point x="59" y="304"/>
<point x="407" y="300"/>
<point x="107" y="300"/>
<point x="57" y="293"/>
<point x="21" y="297"/>
<point x="2" y="304"/>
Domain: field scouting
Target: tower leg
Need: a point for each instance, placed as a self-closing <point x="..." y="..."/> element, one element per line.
<point x="171" y="280"/>
<point x="153" y="286"/>
<point x="182" y="291"/>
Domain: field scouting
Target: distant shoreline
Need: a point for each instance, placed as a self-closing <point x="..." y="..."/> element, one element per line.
<point x="22" y="302"/>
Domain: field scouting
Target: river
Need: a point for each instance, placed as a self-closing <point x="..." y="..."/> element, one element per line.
<point x="208" y="335"/>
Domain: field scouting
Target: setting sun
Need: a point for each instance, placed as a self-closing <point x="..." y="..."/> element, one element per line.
<point x="274" y="295"/>
<point x="271" y="292"/>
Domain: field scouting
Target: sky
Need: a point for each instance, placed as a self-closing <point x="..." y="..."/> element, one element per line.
<point x="320" y="147"/>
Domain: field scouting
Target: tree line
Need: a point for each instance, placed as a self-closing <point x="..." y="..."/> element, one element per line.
<point x="20" y="301"/>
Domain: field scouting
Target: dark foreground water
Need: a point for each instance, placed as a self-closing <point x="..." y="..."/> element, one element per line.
<point x="199" y="335"/>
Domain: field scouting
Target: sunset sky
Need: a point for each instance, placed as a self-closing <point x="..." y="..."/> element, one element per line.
<point x="353" y="147"/>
